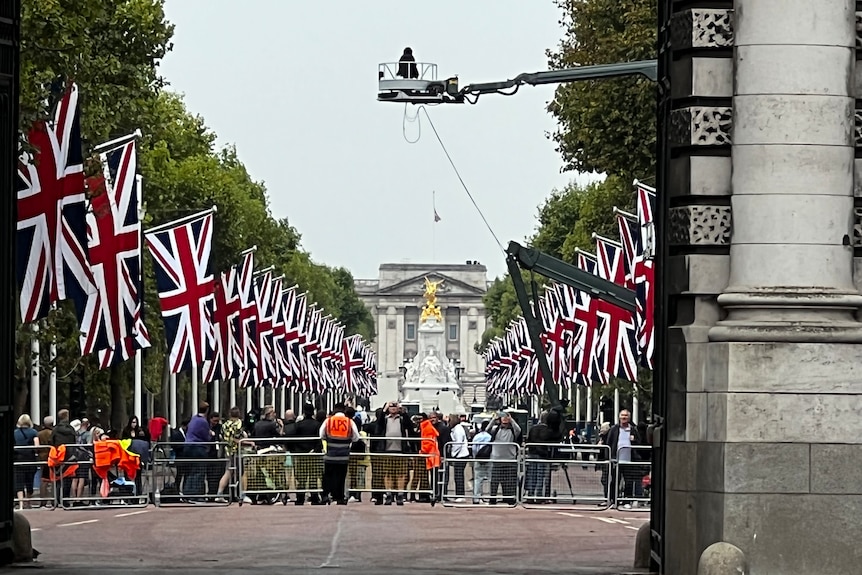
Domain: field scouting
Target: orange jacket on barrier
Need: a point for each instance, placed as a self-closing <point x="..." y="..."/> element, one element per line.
<point x="57" y="458"/>
<point x="429" y="444"/>
<point x="115" y="452"/>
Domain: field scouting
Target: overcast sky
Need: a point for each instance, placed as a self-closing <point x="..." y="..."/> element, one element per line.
<point x="293" y="85"/>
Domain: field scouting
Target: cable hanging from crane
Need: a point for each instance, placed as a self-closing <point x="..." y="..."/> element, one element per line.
<point x="415" y="118"/>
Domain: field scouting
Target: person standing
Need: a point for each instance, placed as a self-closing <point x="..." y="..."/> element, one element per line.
<point x="621" y="438"/>
<point x="506" y="436"/>
<point x="25" y="436"/>
<point x="459" y="452"/>
<point x="339" y="432"/>
<point x="197" y="437"/>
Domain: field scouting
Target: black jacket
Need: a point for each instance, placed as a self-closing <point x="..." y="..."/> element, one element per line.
<point x="63" y="434"/>
<point x="614" y="436"/>
<point x="310" y="428"/>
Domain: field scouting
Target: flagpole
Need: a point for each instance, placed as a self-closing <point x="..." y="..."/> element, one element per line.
<point x="434" y="227"/>
<point x="35" y="387"/>
<point x="117" y="142"/>
<point x="181" y="221"/>
<point x="52" y="377"/>
<point x="139" y="369"/>
<point x="195" y="401"/>
<point x="232" y="391"/>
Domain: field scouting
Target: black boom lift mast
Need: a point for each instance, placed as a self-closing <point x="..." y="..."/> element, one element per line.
<point x="519" y="257"/>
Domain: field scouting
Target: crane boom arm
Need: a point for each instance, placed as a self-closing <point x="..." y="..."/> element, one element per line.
<point x="519" y="257"/>
<point x="648" y="68"/>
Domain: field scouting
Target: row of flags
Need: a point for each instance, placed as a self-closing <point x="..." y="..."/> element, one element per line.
<point x="586" y="339"/>
<point x="79" y="238"/>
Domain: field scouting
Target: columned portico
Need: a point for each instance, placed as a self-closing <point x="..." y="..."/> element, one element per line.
<point x="395" y="298"/>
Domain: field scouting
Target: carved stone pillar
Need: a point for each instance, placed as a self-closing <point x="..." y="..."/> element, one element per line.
<point x="771" y="373"/>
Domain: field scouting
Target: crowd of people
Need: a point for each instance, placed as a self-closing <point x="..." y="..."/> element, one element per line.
<point x="323" y="458"/>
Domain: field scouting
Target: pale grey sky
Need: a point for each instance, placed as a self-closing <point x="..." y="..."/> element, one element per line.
<point x="293" y="84"/>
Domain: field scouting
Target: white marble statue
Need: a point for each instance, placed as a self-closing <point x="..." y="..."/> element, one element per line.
<point x="450" y="371"/>
<point x="431" y="367"/>
<point x="410" y="374"/>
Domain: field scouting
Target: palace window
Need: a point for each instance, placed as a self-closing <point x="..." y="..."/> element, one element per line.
<point x="453" y="331"/>
<point x="410" y="331"/>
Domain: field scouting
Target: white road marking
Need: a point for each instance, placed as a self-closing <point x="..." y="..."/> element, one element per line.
<point x="77" y="523"/>
<point x="334" y="546"/>
<point x="36" y="529"/>
<point x="634" y="528"/>
<point x="132" y="513"/>
<point x="568" y="514"/>
<point x="612" y="520"/>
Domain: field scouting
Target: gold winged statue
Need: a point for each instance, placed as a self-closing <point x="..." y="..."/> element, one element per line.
<point x="431" y="309"/>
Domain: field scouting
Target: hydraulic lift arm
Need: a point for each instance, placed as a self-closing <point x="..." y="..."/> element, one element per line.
<point x="647" y="68"/>
<point x="519" y="257"/>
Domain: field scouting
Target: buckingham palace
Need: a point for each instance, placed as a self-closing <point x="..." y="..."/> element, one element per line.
<point x="395" y="300"/>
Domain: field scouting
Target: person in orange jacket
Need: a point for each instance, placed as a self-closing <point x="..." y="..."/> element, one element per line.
<point x="429" y="448"/>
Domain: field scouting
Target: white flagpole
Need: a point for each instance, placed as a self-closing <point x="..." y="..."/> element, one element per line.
<point x="616" y="405"/>
<point x="248" y="399"/>
<point x="195" y="401"/>
<point x="589" y="404"/>
<point x="217" y="396"/>
<point x="52" y="380"/>
<point x="52" y="377"/>
<point x="261" y="396"/>
<point x="138" y="401"/>
<point x="635" y="406"/>
<point x="233" y="392"/>
<point x="35" y="387"/>
<point x="173" y="397"/>
<point x="283" y="397"/>
<point x="577" y="402"/>
<point x="434" y="227"/>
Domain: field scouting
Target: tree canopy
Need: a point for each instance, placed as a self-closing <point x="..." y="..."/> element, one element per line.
<point x="111" y="49"/>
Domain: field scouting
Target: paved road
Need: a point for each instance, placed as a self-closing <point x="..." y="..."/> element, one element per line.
<point x="360" y="538"/>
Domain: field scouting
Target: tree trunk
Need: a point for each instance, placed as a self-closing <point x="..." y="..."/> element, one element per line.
<point x="119" y="416"/>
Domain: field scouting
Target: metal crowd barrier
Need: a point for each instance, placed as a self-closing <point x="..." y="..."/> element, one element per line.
<point x="189" y="474"/>
<point x="31" y="477"/>
<point x="289" y="469"/>
<point x="483" y="481"/>
<point x="631" y="481"/>
<point x="566" y="476"/>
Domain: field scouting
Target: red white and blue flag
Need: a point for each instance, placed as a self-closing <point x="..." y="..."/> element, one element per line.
<point x="114" y="245"/>
<point x="51" y="239"/>
<point x="186" y="288"/>
<point x="226" y="327"/>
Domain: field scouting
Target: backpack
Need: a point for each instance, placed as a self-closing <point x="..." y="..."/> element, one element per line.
<point x="25" y="454"/>
<point x="484" y="452"/>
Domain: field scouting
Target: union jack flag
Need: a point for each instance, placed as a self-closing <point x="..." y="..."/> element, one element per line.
<point x="645" y="275"/>
<point x="51" y="238"/>
<point x="186" y="288"/>
<point x="245" y="352"/>
<point x="370" y="381"/>
<point x="285" y="301"/>
<point x="584" y="360"/>
<point x="225" y="326"/>
<point x="265" y="361"/>
<point x="114" y="245"/>
<point x="353" y="362"/>
<point x="140" y="339"/>
<point x="617" y="339"/>
<point x="294" y="336"/>
<point x="311" y="351"/>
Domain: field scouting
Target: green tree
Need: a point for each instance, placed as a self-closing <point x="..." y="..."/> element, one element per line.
<point x="606" y="126"/>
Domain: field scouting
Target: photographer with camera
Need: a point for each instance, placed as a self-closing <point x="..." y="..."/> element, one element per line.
<point x="506" y="436"/>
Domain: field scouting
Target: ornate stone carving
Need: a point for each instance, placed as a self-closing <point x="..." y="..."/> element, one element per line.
<point x="702" y="28"/>
<point x="701" y="126"/>
<point x="857" y="128"/>
<point x="858" y="30"/>
<point x="857" y="227"/>
<point x="700" y="225"/>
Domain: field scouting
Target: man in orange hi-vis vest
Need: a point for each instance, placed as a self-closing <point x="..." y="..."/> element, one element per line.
<point x="339" y="432"/>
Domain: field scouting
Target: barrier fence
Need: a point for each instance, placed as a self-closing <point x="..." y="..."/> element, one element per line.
<point x="387" y="470"/>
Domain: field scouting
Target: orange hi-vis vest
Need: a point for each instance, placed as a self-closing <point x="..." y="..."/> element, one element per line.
<point x="58" y="458"/>
<point x="428" y="445"/>
<point x="113" y="452"/>
<point x="339" y="431"/>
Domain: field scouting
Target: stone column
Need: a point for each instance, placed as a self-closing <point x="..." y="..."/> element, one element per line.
<point x="780" y="432"/>
<point x="793" y="149"/>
